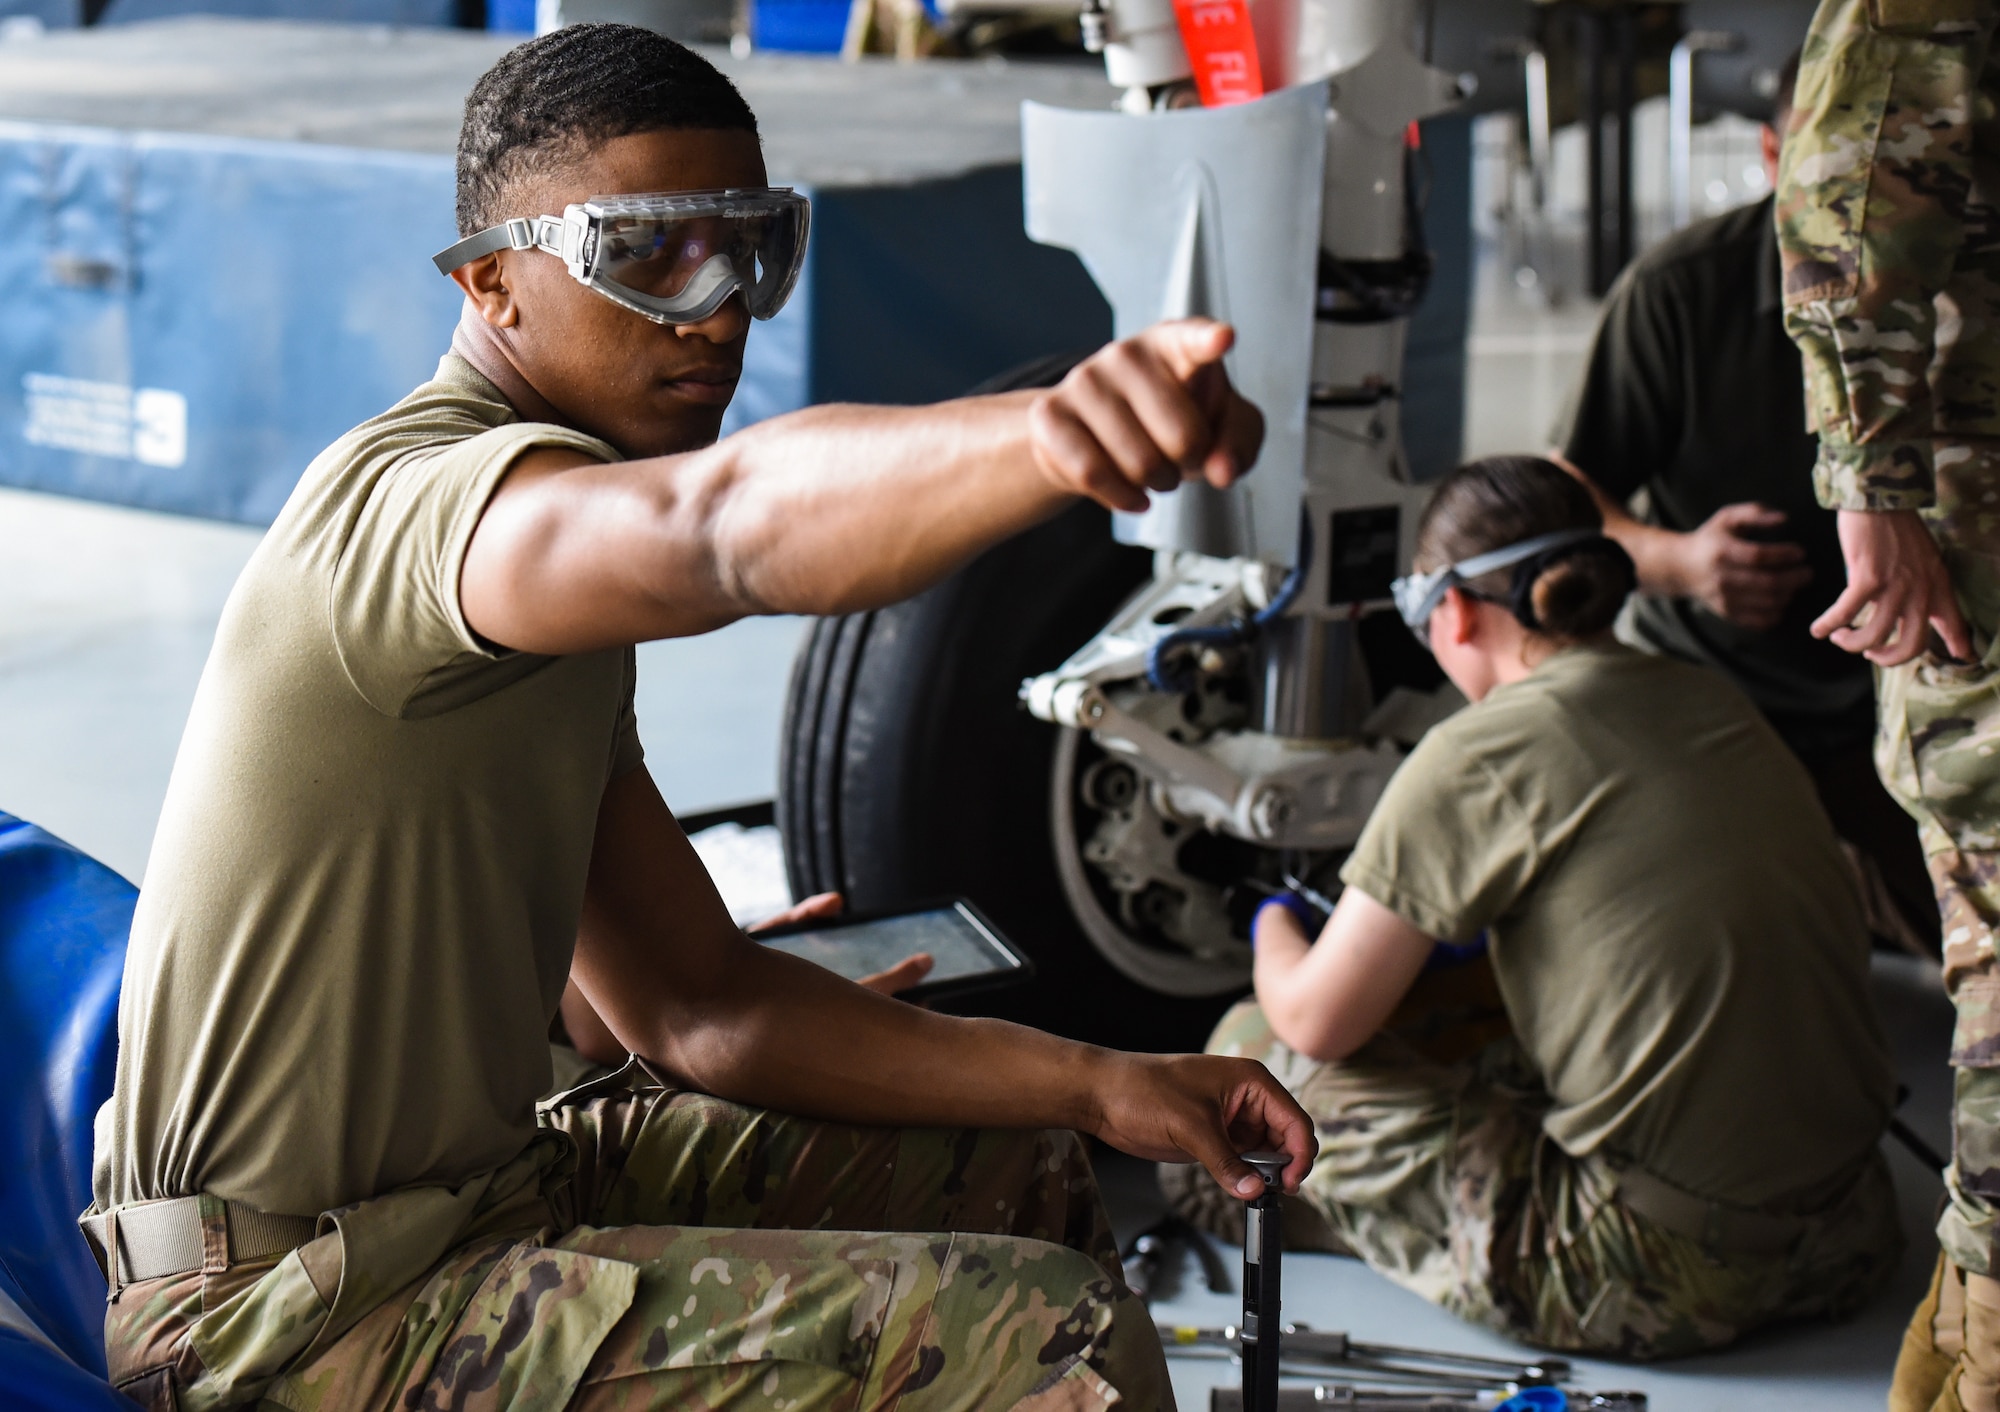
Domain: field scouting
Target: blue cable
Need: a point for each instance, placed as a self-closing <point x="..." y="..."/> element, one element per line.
<point x="1230" y="634"/>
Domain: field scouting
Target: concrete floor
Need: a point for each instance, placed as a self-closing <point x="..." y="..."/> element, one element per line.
<point x="105" y="619"/>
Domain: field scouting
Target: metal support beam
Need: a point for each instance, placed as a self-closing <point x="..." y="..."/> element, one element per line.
<point x="1680" y="118"/>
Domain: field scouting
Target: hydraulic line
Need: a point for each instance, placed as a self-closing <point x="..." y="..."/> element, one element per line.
<point x="1165" y="676"/>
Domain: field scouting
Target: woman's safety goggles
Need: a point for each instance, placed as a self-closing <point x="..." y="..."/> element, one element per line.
<point x="1417" y="595"/>
<point x="672" y="257"/>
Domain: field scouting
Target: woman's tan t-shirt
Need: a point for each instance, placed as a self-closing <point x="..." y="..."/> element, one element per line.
<point x="1676" y="937"/>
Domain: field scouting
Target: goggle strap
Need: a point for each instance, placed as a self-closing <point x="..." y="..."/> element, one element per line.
<point x="519" y="233"/>
<point x="1513" y="554"/>
<point x="1501" y="558"/>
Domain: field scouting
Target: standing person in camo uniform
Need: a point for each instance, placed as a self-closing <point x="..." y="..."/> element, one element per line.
<point x="1890" y="235"/>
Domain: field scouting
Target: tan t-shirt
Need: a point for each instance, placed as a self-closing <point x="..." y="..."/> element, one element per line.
<point x="365" y="887"/>
<point x="1674" y="931"/>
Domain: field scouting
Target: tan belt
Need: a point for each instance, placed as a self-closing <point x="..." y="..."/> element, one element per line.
<point x="156" y="1239"/>
<point x="1717" y="1227"/>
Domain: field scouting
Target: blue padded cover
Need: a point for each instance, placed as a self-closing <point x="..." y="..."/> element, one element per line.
<point x="32" y="1379"/>
<point x="64" y="919"/>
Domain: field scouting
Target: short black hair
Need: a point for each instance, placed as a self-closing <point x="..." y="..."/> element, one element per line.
<point x="574" y="86"/>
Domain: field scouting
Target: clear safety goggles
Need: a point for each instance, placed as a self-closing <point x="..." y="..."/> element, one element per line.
<point x="672" y="257"/>
<point x="1417" y="595"/>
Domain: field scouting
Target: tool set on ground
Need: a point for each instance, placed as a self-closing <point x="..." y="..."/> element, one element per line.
<point x="1371" y="1377"/>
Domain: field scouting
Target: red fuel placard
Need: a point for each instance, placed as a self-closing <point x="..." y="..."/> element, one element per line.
<point x="1223" y="49"/>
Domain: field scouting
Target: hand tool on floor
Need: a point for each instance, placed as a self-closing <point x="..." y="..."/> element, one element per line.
<point x="1309" y="1351"/>
<point x="1381" y="1377"/>
<point x="1356" y="1398"/>
<point x="1148" y="1271"/>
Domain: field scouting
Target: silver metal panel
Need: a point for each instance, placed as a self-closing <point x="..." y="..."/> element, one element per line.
<point x="1210" y="211"/>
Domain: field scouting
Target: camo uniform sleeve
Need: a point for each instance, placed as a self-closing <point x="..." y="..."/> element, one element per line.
<point x="1871" y="203"/>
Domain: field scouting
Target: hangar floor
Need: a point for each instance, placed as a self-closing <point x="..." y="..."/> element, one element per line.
<point x="105" y="619"/>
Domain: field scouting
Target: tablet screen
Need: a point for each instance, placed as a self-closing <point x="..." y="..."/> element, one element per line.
<point x="959" y="941"/>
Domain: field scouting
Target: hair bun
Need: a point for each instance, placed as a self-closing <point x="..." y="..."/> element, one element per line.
<point x="1570" y="592"/>
<point x="1579" y="594"/>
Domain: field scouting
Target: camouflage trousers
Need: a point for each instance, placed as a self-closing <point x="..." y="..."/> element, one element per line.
<point x="1938" y="752"/>
<point x="703" y="1255"/>
<point x="1439" y="1176"/>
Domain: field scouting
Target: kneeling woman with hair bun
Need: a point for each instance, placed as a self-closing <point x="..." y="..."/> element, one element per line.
<point x="1674" y="1139"/>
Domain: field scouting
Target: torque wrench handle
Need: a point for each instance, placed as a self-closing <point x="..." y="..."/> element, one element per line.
<point x="1263" y="1249"/>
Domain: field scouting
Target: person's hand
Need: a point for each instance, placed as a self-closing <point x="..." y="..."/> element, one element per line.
<point x="901" y="976"/>
<point x="1897" y="589"/>
<point x="1146" y="413"/>
<point x="816" y="908"/>
<point x="1205" y="1108"/>
<point x="894" y="981"/>
<point x="1741" y="580"/>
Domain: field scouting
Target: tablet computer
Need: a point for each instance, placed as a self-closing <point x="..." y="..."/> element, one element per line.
<point x="971" y="953"/>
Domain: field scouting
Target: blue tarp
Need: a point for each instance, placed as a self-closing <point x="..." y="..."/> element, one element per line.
<point x="192" y="319"/>
<point x="35" y="1379"/>
<point x="63" y="923"/>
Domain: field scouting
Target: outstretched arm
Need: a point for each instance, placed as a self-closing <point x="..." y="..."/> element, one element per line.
<point x="840" y="508"/>
<point x="679" y="985"/>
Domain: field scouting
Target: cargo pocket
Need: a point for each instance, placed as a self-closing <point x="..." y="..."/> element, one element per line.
<point x="1939" y="747"/>
<point x="707" y="1329"/>
<point x="1925" y="19"/>
<point x="154" y="1391"/>
<point x="530" y="1331"/>
<point x="247" y="1341"/>
<point x="1975" y="1115"/>
<point x="1829" y="160"/>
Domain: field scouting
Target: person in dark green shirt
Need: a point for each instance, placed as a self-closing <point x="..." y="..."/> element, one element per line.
<point x="1692" y="393"/>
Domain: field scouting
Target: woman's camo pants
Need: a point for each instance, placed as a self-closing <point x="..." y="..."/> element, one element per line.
<point x="753" y="1289"/>
<point x="1439" y="1175"/>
